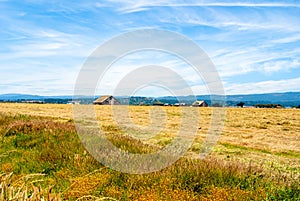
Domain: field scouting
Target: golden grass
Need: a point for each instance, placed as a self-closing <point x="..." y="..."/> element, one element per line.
<point x="24" y="188"/>
<point x="267" y="137"/>
<point x="271" y="129"/>
<point x="47" y="143"/>
<point x="59" y="111"/>
<point x="276" y="130"/>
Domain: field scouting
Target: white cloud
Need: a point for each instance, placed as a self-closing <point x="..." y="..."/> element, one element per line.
<point x="128" y="6"/>
<point x="289" y="39"/>
<point x="43" y="80"/>
<point x="275" y="66"/>
<point x="41" y="42"/>
<point x="241" y="37"/>
<point x="270" y="86"/>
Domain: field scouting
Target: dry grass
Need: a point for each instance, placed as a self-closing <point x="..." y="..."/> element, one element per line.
<point x="256" y="146"/>
<point x="58" y="111"/>
<point x="276" y="130"/>
<point x="258" y="131"/>
<point x="24" y="188"/>
<point x="273" y="129"/>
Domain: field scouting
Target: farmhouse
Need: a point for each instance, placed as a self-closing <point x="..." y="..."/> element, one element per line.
<point x="179" y="104"/>
<point x="199" y="103"/>
<point x="33" y="101"/>
<point x="73" y="102"/>
<point x="106" y="100"/>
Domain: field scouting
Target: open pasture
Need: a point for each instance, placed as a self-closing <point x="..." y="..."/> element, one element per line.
<point x="257" y="156"/>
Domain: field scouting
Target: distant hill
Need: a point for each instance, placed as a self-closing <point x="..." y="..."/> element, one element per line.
<point x="34" y="98"/>
<point x="283" y="97"/>
<point x="14" y="97"/>
<point x="287" y="99"/>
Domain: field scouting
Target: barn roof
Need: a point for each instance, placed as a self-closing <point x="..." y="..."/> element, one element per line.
<point x="199" y="102"/>
<point x="102" y="99"/>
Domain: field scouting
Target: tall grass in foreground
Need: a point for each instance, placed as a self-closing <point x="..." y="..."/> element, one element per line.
<point x="42" y="159"/>
<point x="19" y="189"/>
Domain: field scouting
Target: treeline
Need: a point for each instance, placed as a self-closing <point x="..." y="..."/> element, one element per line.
<point x="269" y="105"/>
<point x="153" y="101"/>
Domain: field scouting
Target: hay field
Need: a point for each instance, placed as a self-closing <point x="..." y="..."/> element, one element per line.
<point x="253" y="142"/>
<point x="275" y="131"/>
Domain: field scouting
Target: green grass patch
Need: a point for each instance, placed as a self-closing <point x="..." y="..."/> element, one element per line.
<point x="233" y="146"/>
<point x="292" y="154"/>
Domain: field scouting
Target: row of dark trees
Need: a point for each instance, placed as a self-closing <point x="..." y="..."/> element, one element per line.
<point x="268" y="105"/>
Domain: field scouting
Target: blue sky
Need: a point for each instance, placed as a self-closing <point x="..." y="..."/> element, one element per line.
<point x="255" y="45"/>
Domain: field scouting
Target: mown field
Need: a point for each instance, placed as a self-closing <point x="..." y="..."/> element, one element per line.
<point x="41" y="157"/>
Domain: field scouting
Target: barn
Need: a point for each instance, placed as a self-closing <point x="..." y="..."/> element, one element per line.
<point x="200" y="103"/>
<point x="106" y="100"/>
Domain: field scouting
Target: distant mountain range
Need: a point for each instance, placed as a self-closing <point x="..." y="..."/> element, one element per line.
<point x="287" y="99"/>
<point x="14" y="97"/>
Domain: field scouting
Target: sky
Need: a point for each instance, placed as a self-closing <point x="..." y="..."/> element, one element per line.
<point x="254" y="45"/>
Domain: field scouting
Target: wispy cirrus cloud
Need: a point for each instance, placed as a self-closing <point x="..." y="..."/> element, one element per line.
<point x="283" y="85"/>
<point x="249" y="42"/>
<point x="130" y="6"/>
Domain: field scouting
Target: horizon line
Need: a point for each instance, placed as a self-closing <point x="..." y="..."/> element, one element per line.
<point x="152" y="96"/>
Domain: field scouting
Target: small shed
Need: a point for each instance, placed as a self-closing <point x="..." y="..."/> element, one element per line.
<point x="158" y="103"/>
<point x="73" y="102"/>
<point x="106" y="100"/>
<point x="179" y="104"/>
<point x="200" y="103"/>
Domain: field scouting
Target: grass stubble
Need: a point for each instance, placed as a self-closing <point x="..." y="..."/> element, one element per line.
<point x="42" y="158"/>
